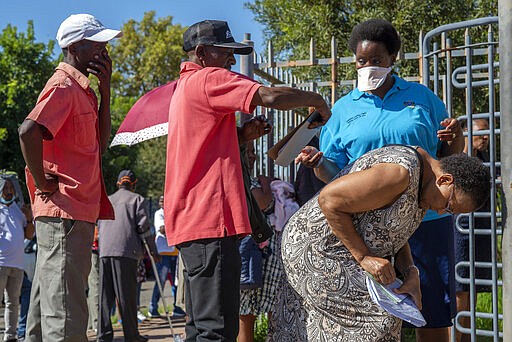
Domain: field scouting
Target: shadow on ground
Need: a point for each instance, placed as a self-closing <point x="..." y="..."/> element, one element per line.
<point x="155" y="328"/>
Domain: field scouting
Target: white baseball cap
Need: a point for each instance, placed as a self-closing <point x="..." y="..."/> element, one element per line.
<point x="84" y="26"/>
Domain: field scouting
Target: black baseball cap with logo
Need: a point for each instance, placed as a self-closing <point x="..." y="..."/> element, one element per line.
<point x="215" y="33"/>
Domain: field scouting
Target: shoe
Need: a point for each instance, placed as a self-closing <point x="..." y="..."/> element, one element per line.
<point x="152" y="315"/>
<point x="178" y="312"/>
<point x="141" y="317"/>
<point x="141" y="338"/>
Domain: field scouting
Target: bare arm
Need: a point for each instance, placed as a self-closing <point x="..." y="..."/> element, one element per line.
<point x="29" y="228"/>
<point x="404" y="260"/>
<point x="358" y="192"/>
<point x="31" y="141"/>
<point x="102" y="69"/>
<point x="285" y="98"/>
<point x="324" y="169"/>
<point x="405" y="265"/>
<point x="104" y="122"/>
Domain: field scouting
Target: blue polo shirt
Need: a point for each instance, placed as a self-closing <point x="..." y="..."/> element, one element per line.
<point x="409" y="114"/>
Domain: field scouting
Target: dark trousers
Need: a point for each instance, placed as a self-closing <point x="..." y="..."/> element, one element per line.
<point x="118" y="279"/>
<point x="212" y="285"/>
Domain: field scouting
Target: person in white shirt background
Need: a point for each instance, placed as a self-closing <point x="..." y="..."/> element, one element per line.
<point x="15" y="224"/>
<point x="167" y="266"/>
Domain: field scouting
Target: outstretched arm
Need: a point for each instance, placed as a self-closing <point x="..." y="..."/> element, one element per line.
<point x="285" y="98"/>
<point x="358" y="192"/>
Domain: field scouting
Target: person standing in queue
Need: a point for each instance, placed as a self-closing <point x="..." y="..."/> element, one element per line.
<point x="385" y="109"/>
<point x="62" y="140"/>
<point x="205" y="206"/>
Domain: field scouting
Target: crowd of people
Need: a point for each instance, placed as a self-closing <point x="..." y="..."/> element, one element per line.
<point x="375" y="197"/>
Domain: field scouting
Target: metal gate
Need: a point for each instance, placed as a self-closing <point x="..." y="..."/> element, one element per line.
<point x="459" y="63"/>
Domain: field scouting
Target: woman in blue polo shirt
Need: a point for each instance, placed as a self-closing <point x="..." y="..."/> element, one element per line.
<point x="385" y="109"/>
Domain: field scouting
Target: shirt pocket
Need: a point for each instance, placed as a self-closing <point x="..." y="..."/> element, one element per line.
<point x="85" y="129"/>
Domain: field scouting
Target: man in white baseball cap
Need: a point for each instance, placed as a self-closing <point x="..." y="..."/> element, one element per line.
<point x="62" y="140"/>
<point x="84" y="26"/>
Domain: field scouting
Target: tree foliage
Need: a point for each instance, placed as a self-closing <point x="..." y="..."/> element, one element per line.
<point x="25" y="66"/>
<point x="148" y="55"/>
<point x="290" y="24"/>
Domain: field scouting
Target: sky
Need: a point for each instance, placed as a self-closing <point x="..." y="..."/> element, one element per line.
<point x="48" y="14"/>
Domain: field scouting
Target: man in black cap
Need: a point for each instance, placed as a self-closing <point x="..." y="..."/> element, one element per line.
<point x="121" y="248"/>
<point x="205" y="206"/>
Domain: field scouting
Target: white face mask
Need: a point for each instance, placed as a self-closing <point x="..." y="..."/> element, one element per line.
<point x="371" y="78"/>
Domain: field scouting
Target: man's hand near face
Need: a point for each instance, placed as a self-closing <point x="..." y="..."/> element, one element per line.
<point x="101" y="67"/>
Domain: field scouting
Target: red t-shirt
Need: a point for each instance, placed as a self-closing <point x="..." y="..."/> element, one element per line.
<point x="204" y="191"/>
<point x="68" y="108"/>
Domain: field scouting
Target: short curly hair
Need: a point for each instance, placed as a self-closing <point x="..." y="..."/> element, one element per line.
<point x="469" y="175"/>
<point x="375" y="30"/>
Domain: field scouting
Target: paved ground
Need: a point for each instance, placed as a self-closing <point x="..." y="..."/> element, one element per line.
<point x="155" y="329"/>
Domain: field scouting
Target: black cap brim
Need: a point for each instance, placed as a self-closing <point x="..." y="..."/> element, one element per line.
<point x="239" y="48"/>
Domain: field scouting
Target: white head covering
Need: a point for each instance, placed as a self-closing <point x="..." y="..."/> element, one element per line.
<point x="84" y="26"/>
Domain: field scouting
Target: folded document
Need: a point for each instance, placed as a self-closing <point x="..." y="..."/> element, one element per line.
<point x="399" y="305"/>
<point x="285" y="150"/>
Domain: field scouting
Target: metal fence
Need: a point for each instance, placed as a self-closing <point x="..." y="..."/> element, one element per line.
<point x="276" y="73"/>
<point x="465" y="76"/>
<point x="459" y="63"/>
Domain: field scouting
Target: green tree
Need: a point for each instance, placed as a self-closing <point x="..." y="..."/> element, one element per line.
<point x="147" y="56"/>
<point x="290" y="24"/>
<point x="25" y="66"/>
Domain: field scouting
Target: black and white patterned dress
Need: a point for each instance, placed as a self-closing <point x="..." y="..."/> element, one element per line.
<point x="323" y="296"/>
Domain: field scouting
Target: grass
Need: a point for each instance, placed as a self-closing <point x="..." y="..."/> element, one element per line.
<point x="261" y="328"/>
<point x="484" y="304"/>
<point x="484" y="300"/>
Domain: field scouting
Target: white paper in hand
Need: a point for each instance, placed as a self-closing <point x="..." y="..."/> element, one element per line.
<point x="297" y="142"/>
<point x="399" y="305"/>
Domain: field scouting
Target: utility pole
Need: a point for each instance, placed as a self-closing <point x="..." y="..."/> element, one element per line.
<point x="505" y="51"/>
